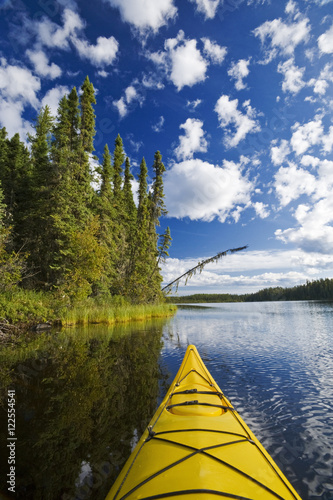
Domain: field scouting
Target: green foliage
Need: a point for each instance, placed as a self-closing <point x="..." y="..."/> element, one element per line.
<point x="78" y="242"/>
<point x="312" y="290"/>
<point x="11" y="263"/>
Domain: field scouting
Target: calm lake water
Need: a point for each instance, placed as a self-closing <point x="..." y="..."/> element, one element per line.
<point x="83" y="397"/>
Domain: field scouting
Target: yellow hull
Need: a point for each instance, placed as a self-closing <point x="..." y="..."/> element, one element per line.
<point x="197" y="446"/>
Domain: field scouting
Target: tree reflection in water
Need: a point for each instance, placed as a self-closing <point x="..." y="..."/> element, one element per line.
<point x="81" y="402"/>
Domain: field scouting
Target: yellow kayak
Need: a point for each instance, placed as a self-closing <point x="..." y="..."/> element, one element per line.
<point x="197" y="446"/>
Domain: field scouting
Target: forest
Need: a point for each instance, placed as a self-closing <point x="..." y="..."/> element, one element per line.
<point x="321" y="289"/>
<point x="61" y="234"/>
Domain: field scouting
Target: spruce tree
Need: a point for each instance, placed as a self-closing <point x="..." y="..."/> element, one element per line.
<point x="106" y="213"/>
<point x="142" y="258"/>
<point x="72" y="196"/>
<point x="118" y="160"/>
<point x="39" y="222"/>
<point x="17" y="189"/>
<point x="87" y="116"/>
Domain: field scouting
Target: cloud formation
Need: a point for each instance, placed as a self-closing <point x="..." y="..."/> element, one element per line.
<point x="193" y="141"/>
<point x="103" y="53"/>
<point x="41" y="63"/>
<point x="145" y="14"/>
<point x="202" y="191"/>
<point x="182" y="61"/>
<point x="293" y="76"/>
<point x="235" y="123"/>
<point x="238" y="71"/>
<point x="281" y="37"/>
<point x="207" y="7"/>
<point x="325" y="41"/>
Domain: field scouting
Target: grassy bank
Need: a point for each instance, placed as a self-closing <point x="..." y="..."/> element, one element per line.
<point x="29" y="308"/>
<point x="108" y="313"/>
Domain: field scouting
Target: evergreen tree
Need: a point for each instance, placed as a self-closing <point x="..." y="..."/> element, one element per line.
<point x="106" y="214"/>
<point x="38" y="222"/>
<point x="129" y="205"/>
<point x="144" y="249"/>
<point x="157" y="209"/>
<point x="16" y="184"/>
<point x="87" y="116"/>
<point x="119" y="219"/>
<point x="157" y="206"/>
<point x="11" y="263"/>
<point x="118" y="160"/>
<point x="72" y="196"/>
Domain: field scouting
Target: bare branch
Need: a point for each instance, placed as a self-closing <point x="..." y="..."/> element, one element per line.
<point x="200" y="266"/>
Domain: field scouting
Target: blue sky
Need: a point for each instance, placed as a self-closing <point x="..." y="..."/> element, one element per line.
<point x="237" y="96"/>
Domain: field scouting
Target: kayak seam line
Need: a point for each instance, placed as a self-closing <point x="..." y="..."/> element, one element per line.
<point x="198" y="403"/>
<point x="174" y="464"/>
<point x="202" y="430"/>
<point x="195" y="491"/>
<point x="196" y="371"/>
<point x="194" y="391"/>
<point x="272" y="464"/>
<point x="204" y="452"/>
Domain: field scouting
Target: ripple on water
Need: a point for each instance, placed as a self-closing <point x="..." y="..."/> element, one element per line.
<point x="274" y="361"/>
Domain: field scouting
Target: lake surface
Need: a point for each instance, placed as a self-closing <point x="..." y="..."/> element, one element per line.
<point x="84" y="396"/>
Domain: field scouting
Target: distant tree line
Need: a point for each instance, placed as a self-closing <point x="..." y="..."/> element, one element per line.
<point x="58" y="232"/>
<point x="312" y="290"/>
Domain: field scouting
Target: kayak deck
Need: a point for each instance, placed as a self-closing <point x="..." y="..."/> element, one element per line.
<point x="197" y="446"/>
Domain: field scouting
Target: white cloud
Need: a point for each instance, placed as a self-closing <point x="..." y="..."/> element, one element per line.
<point x="291" y="7"/>
<point x="250" y="270"/>
<point x="321" y="84"/>
<point x="42" y="66"/>
<point x="279" y="153"/>
<point x="53" y="96"/>
<point x="311" y="134"/>
<point x="313" y="231"/>
<point x="291" y="182"/>
<point x="283" y="37"/>
<point x="202" y="191"/>
<point x="181" y="61"/>
<point x="121" y="106"/>
<point x="187" y="65"/>
<point x="145" y="14"/>
<point x="325" y="41"/>
<point x="19" y="84"/>
<point x="101" y="54"/>
<point x="261" y="209"/>
<point x="241" y="123"/>
<point x="293" y="76"/>
<point x="193" y="141"/>
<point x="213" y="51"/>
<point x="151" y="81"/>
<point x="157" y="127"/>
<point x="131" y="94"/>
<point x="192" y="105"/>
<point x="52" y="35"/>
<point x="238" y="71"/>
<point x="207" y="7"/>
<point x="11" y="118"/>
<point x="102" y="73"/>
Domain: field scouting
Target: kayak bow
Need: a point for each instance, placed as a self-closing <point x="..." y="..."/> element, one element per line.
<point x="197" y="446"/>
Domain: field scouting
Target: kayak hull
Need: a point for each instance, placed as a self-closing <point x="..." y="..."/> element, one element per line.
<point x="197" y="446"/>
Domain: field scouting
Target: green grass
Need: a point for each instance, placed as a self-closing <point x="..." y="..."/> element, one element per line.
<point x="109" y="313"/>
<point x="24" y="307"/>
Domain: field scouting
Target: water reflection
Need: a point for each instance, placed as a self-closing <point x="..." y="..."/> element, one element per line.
<point x="81" y="400"/>
<point x="275" y="362"/>
<point x="85" y="396"/>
